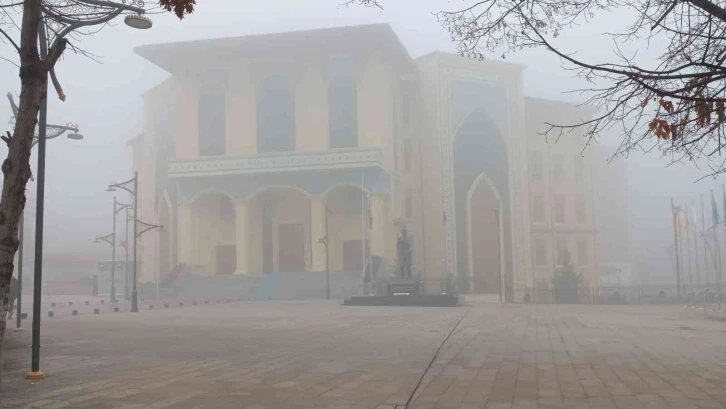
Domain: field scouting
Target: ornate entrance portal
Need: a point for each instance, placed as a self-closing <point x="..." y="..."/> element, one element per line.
<point x="482" y="212"/>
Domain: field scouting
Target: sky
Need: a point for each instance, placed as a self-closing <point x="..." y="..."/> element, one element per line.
<point x="104" y="98"/>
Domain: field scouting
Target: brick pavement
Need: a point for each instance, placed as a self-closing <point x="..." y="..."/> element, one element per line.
<point x="321" y="355"/>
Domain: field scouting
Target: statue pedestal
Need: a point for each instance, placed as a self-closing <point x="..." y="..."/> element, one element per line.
<point x="405" y="292"/>
<point x="403" y="286"/>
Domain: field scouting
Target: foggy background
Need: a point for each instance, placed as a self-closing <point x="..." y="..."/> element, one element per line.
<point x="105" y="100"/>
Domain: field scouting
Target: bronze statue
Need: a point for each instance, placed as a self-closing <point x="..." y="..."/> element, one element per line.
<point x="403" y="247"/>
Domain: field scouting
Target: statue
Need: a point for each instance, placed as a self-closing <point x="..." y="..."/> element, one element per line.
<point x="403" y="246"/>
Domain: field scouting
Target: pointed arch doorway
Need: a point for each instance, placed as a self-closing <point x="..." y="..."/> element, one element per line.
<point x="485" y="235"/>
<point x="482" y="213"/>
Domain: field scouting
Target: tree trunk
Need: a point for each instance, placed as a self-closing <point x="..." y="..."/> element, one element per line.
<point x="16" y="171"/>
<point x="16" y="167"/>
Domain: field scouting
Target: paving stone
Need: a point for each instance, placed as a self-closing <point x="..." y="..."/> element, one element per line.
<point x="303" y="355"/>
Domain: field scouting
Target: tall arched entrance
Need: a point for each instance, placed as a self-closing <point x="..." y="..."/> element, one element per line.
<point x="214" y="234"/>
<point x="284" y="215"/>
<point x="348" y="228"/>
<point x="482" y="207"/>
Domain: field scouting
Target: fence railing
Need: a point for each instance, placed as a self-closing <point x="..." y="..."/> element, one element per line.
<point x="620" y="294"/>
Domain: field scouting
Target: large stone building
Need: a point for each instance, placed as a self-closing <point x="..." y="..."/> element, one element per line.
<point x="256" y="148"/>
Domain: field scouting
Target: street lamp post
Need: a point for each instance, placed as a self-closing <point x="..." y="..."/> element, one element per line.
<point x="125" y="245"/>
<point x="55" y="131"/>
<point x="117" y="207"/>
<point x="134" y="292"/>
<point x="132" y="186"/>
<point x="67" y="26"/>
<point x="109" y="238"/>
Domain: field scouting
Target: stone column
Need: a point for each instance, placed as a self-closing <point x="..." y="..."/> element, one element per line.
<point x="185" y="234"/>
<point x="242" y="234"/>
<point x="380" y="220"/>
<point x="317" y="231"/>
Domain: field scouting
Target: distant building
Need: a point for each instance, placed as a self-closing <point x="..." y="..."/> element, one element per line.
<point x="562" y="183"/>
<point x="257" y="147"/>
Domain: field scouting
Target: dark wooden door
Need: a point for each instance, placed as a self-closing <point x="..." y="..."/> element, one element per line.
<point x="226" y="259"/>
<point x="485" y="242"/>
<point x="291" y="247"/>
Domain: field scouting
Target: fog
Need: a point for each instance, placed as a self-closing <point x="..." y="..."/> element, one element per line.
<point x="104" y="98"/>
<point x="353" y="221"/>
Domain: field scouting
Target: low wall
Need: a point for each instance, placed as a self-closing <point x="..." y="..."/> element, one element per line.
<point x="273" y="286"/>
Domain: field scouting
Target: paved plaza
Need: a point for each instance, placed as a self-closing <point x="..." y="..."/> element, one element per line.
<point x="265" y="355"/>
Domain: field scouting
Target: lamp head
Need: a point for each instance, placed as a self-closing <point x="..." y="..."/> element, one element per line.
<point x="138" y="21"/>
<point x="110" y="189"/>
<point x="75" y="136"/>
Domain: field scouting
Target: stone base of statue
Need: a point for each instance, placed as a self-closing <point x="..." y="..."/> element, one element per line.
<point x="404" y="292"/>
<point x="403" y="286"/>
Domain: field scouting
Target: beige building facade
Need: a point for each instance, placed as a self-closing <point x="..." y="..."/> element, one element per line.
<point x="306" y="151"/>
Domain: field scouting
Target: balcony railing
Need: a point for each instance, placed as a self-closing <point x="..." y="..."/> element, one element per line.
<point x="275" y="162"/>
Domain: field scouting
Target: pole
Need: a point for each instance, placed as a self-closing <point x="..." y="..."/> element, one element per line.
<point x="327" y="271"/>
<point x="134" y="294"/>
<point x="126" y="254"/>
<point x="19" y="308"/>
<point x="156" y="264"/>
<point x="675" y="238"/>
<point x="35" y="372"/>
<point x="695" y="246"/>
<point x="682" y="257"/>
<point x="705" y="243"/>
<point x="718" y="253"/>
<point x="688" y="248"/>
<point x="499" y="256"/>
<point x="113" y="254"/>
<point x="363" y="230"/>
<point x="327" y="258"/>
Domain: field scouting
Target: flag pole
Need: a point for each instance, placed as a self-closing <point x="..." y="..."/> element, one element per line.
<point x="718" y="255"/>
<point x="363" y="230"/>
<point x="674" y="210"/>
<point x="716" y="240"/>
<point x="705" y="243"/>
<point x="688" y="247"/>
<point x="695" y="243"/>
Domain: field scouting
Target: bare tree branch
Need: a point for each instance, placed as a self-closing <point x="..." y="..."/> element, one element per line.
<point x="675" y="103"/>
<point x="5" y="34"/>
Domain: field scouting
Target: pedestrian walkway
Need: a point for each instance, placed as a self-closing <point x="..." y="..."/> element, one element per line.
<point x="265" y="355"/>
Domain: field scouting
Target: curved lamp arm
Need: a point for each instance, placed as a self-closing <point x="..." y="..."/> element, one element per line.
<point x="106" y="239"/>
<point x="145" y="227"/>
<point x="123" y="185"/>
<point x="53" y="131"/>
<point x="119" y="207"/>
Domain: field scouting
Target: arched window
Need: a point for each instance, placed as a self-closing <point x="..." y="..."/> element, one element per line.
<point x="212" y="118"/>
<point x="275" y="114"/>
<point x="343" y="103"/>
